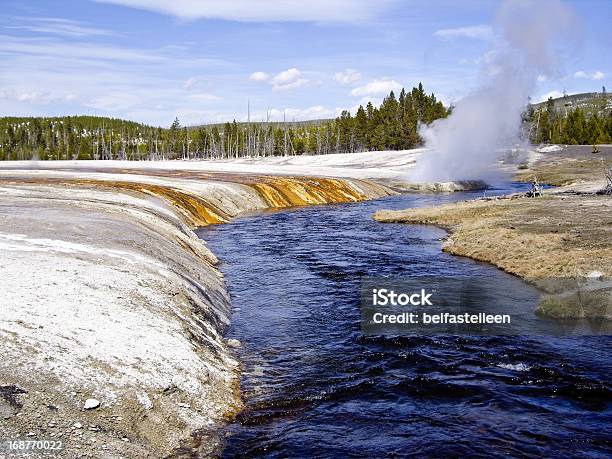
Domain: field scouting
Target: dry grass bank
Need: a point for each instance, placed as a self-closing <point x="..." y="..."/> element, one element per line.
<point x="537" y="239"/>
<point x="559" y="235"/>
<point x="553" y="236"/>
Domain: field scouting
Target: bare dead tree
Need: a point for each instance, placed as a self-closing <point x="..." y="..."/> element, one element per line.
<point x="607" y="190"/>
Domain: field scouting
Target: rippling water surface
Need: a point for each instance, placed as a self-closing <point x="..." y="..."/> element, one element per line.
<point x="314" y="386"/>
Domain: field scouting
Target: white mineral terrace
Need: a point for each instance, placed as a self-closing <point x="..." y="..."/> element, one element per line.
<point x="372" y="164"/>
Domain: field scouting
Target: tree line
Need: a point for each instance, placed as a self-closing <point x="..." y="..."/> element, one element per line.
<point x="393" y="125"/>
<point x="572" y="126"/>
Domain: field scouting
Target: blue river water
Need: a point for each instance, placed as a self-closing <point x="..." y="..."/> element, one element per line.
<point x="315" y="386"/>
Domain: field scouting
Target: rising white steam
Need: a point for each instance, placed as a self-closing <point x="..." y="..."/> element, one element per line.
<point x="467" y="144"/>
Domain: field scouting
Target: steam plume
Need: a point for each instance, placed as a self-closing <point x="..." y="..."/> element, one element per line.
<point x="466" y="144"/>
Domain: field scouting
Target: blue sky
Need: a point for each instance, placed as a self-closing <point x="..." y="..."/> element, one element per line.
<point x="203" y="60"/>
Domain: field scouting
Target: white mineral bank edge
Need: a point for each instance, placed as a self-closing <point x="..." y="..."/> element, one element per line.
<point x="371" y="164"/>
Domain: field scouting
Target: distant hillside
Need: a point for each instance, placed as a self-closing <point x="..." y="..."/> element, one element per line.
<point x="589" y="102"/>
<point x="577" y="119"/>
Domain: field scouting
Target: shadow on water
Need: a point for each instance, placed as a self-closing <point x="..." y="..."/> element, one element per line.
<point x="314" y="386"/>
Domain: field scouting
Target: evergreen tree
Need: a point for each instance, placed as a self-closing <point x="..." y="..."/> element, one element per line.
<point x="393" y="125"/>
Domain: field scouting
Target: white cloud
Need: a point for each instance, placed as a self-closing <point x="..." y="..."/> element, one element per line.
<point x="204" y="97"/>
<point x="114" y="101"/>
<point x="487" y="58"/>
<point x="288" y="79"/>
<point x="259" y="76"/>
<point x="36" y="97"/>
<point x="376" y="101"/>
<point x="293" y="85"/>
<point x="78" y="50"/>
<point x="56" y="26"/>
<point x="294" y="114"/>
<point x="589" y="76"/>
<point x="286" y="76"/>
<point x="377" y="87"/>
<point x="348" y="76"/>
<point x="478" y="32"/>
<point x="264" y="10"/>
<point x="314" y="112"/>
<point x="191" y="83"/>
<point x="542" y="78"/>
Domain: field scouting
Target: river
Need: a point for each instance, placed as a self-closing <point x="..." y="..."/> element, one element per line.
<point x="315" y="386"/>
